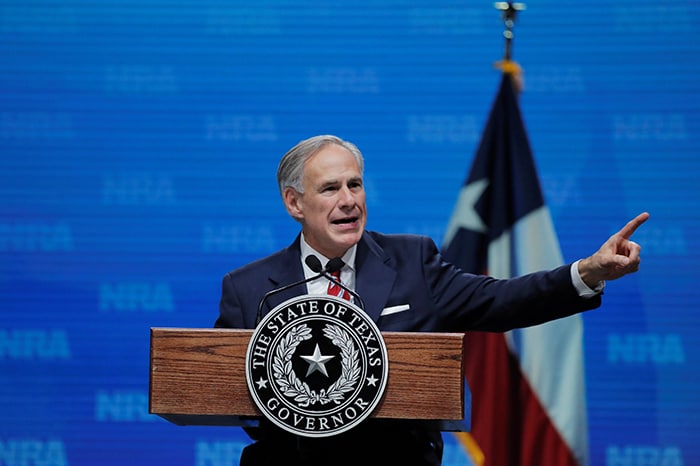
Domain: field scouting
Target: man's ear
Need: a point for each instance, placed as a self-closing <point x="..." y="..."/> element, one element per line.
<point x="292" y="201"/>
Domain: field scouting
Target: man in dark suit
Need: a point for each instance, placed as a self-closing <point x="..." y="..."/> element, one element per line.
<point x="405" y="285"/>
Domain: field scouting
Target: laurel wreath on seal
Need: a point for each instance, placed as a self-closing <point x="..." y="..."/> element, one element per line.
<point x="292" y="387"/>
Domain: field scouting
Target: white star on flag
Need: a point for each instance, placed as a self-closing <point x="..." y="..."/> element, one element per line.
<point x="465" y="214"/>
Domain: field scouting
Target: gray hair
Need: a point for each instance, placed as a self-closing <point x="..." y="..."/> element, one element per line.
<point x="290" y="172"/>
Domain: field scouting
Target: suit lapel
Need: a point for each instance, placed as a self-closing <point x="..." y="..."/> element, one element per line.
<point x="374" y="276"/>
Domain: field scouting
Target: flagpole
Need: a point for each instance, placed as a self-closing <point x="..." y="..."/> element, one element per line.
<point x="509" y="12"/>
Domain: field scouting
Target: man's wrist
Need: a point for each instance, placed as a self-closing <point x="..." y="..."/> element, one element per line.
<point x="582" y="288"/>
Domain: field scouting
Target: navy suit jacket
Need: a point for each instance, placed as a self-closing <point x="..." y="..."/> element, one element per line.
<point x="408" y="271"/>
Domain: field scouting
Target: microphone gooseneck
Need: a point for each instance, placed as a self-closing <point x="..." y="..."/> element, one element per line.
<point x="314" y="264"/>
<point x="334" y="265"/>
<point x="311" y="262"/>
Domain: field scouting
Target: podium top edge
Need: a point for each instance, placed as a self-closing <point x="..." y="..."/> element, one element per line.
<point x="237" y="330"/>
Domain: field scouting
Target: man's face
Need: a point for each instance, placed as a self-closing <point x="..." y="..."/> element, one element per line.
<point x="332" y="209"/>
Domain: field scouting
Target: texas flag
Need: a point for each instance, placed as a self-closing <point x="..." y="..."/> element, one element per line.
<point x="528" y="387"/>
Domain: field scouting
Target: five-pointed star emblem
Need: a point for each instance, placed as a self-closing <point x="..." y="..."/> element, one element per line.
<point x="261" y="383"/>
<point x="317" y="362"/>
<point x="465" y="215"/>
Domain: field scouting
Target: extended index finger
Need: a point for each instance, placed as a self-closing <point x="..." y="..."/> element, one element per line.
<point x="628" y="230"/>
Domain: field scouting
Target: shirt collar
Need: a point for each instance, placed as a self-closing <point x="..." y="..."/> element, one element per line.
<point x="348" y="257"/>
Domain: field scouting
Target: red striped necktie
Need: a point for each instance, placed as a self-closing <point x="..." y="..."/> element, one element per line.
<point x="335" y="289"/>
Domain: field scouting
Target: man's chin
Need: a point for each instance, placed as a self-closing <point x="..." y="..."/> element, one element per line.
<point x="348" y="238"/>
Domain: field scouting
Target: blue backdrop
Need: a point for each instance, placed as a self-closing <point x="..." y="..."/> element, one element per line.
<point x="139" y="142"/>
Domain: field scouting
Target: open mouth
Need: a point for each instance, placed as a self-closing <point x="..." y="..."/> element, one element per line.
<point x="344" y="221"/>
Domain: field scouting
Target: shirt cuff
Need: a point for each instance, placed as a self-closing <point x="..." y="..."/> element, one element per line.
<point x="584" y="290"/>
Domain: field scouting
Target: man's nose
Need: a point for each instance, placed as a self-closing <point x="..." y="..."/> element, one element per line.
<point x="346" y="196"/>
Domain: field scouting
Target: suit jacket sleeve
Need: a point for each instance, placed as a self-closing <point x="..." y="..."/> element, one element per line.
<point x="478" y="302"/>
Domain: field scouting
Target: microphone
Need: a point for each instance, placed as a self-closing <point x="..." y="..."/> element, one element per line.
<point x="334" y="264"/>
<point x="315" y="265"/>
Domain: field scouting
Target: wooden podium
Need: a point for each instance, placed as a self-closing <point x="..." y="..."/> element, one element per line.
<point x="197" y="377"/>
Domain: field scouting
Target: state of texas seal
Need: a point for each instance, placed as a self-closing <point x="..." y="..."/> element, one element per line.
<point x="316" y="365"/>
